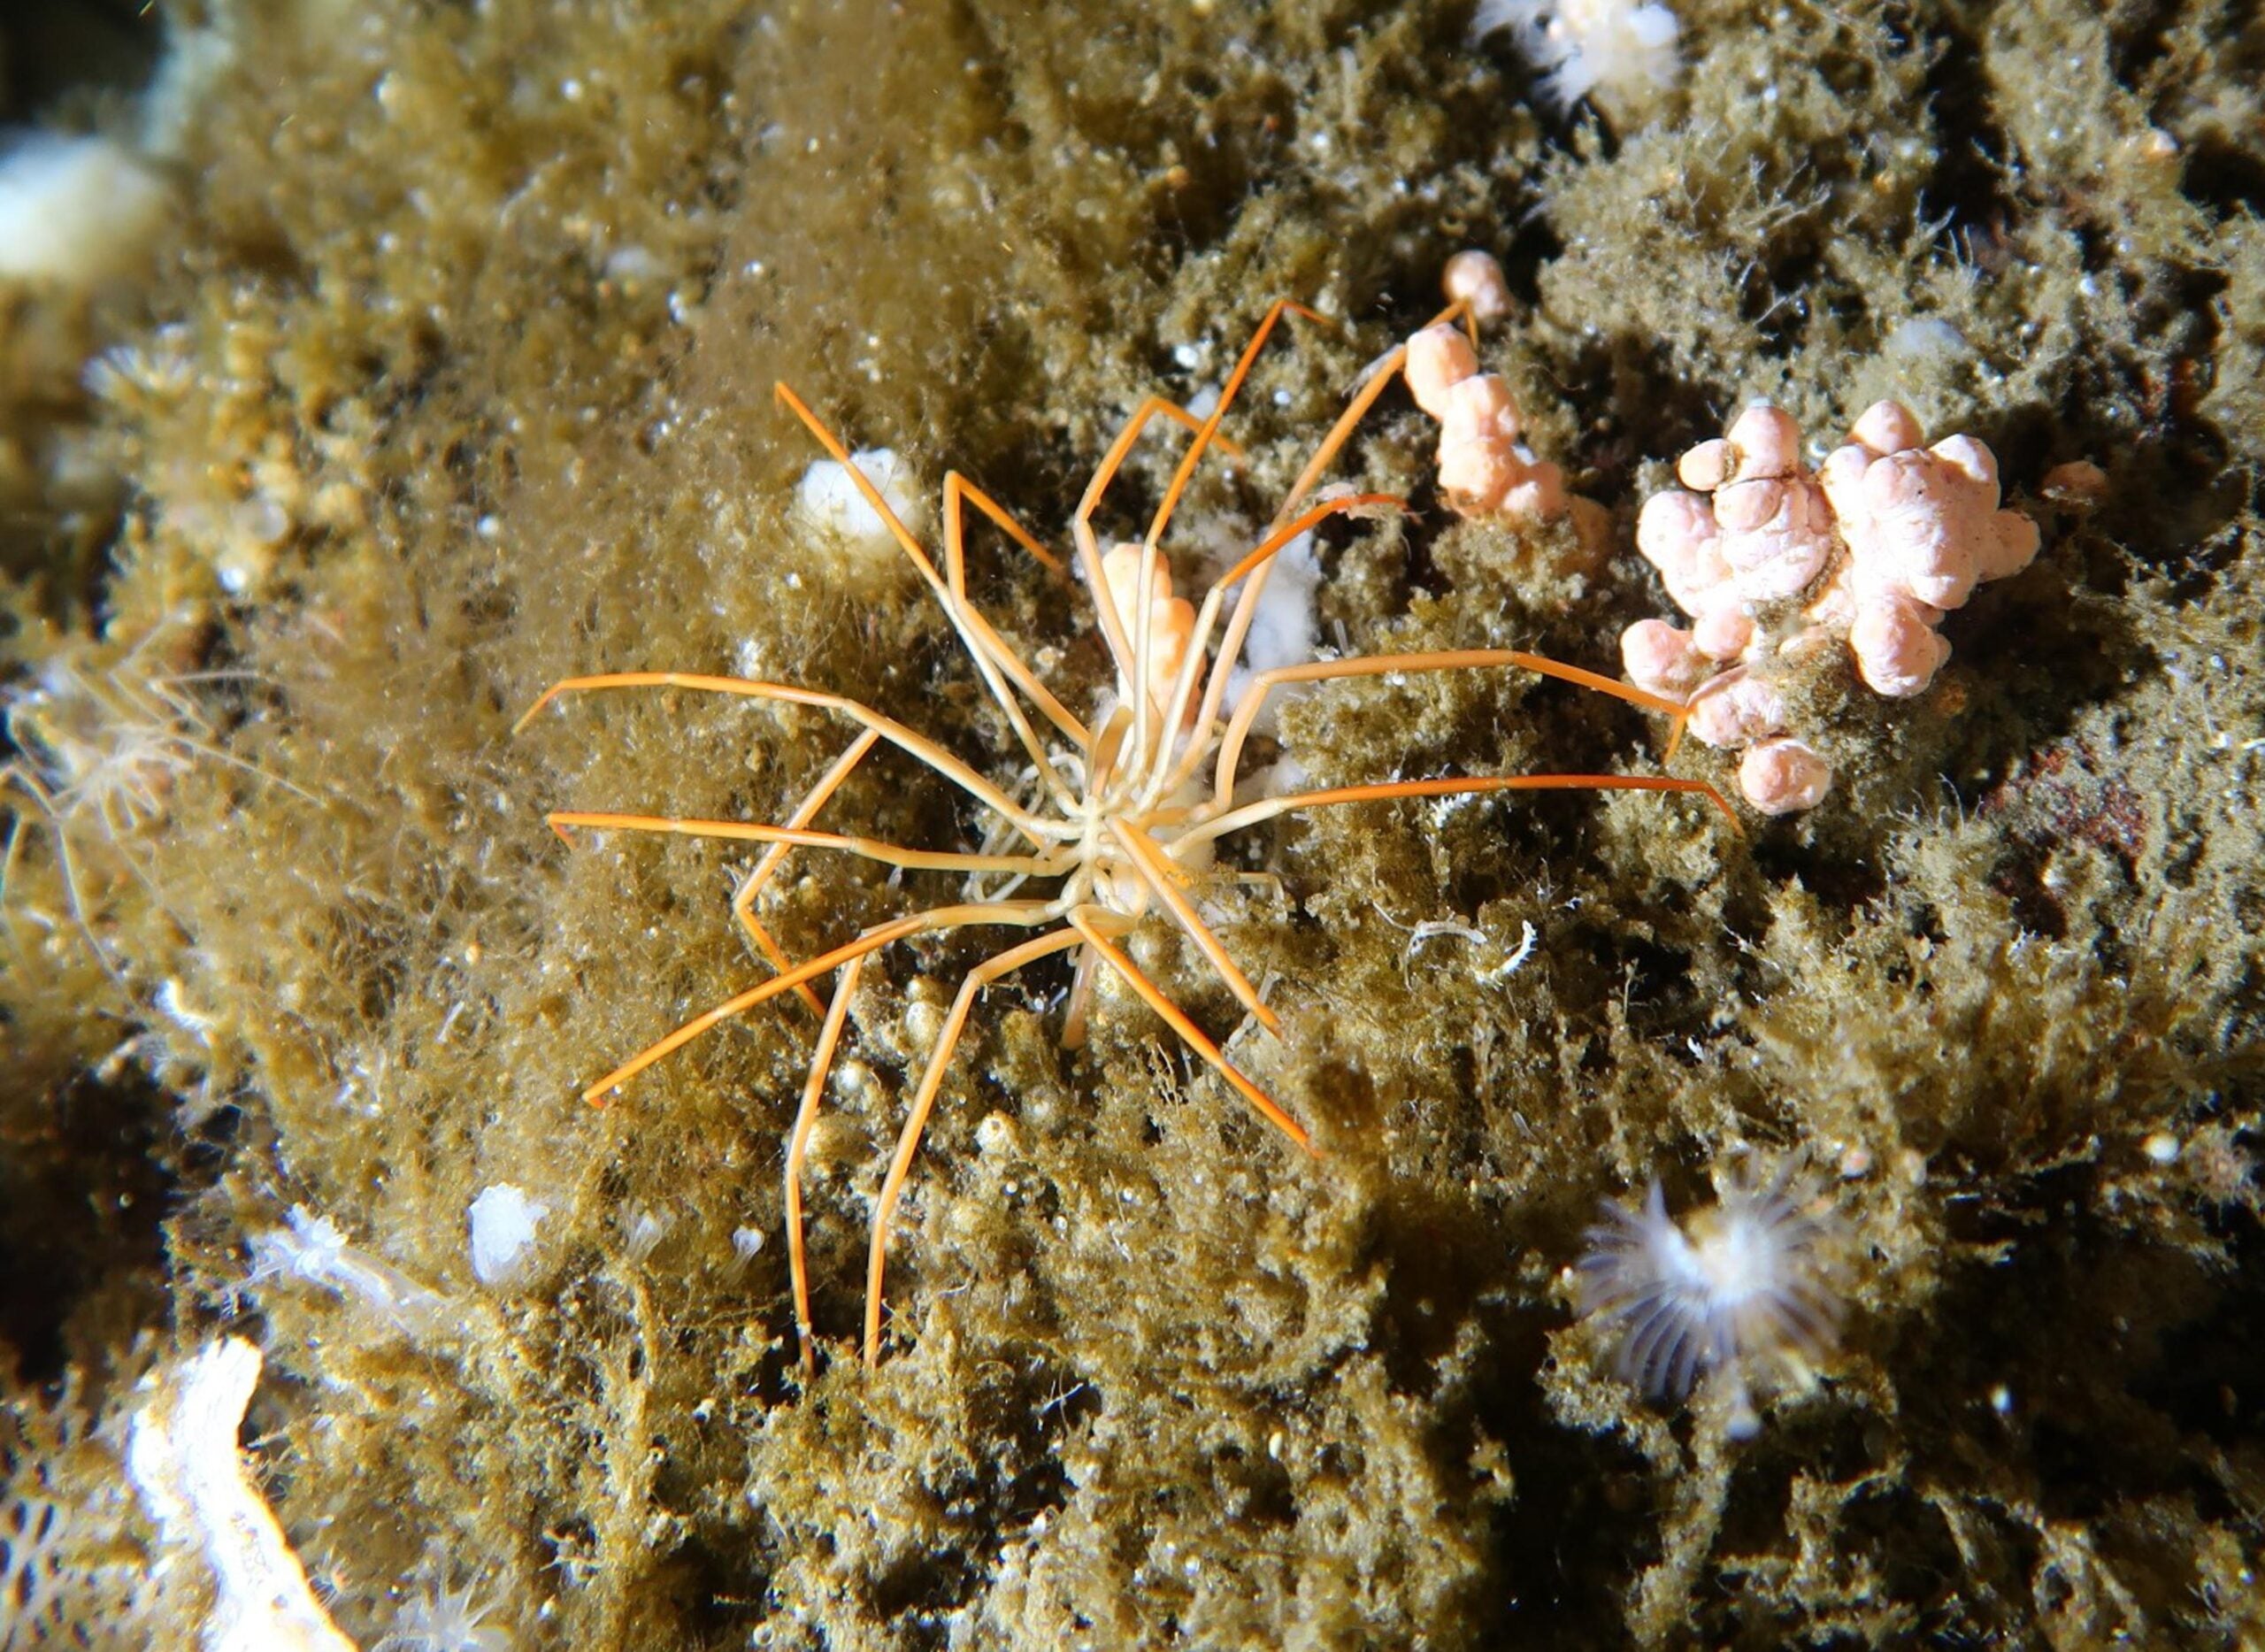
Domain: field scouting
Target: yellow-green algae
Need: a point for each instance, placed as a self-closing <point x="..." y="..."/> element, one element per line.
<point x="488" y="302"/>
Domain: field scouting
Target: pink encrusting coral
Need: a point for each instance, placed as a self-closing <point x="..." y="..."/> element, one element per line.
<point x="1486" y="468"/>
<point x="1923" y="528"/>
<point x="1769" y="559"/>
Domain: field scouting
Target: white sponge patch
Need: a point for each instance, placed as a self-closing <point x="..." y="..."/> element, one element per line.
<point x="830" y="496"/>
<point x="74" y="209"/>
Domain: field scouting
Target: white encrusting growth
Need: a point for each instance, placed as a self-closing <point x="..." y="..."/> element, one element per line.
<point x="183" y="1458"/>
<point x="504" y="1220"/>
<point x="1285" y="627"/>
<point x="1746" y="1282"/>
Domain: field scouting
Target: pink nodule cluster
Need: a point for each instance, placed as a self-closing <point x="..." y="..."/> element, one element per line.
<point x="1485" y="469"/>
<point x="1876" y="546"/>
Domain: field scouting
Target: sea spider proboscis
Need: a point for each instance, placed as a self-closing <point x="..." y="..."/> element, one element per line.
<point x="1127" y="820"/>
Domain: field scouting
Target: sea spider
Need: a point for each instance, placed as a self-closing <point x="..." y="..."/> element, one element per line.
<point x="1127" y="822"/>
<point x="99" y="753"/>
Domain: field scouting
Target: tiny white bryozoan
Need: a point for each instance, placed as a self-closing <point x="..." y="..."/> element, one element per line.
<point x="1745" y="1281"/>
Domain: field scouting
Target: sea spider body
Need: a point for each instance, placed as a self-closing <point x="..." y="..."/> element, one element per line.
<point x="1128" y="821"/>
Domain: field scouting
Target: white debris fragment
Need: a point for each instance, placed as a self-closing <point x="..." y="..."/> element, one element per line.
<point x="311" y="1247"/>
<point x="183" y="1458"/>
<point x="504" y="1220"/>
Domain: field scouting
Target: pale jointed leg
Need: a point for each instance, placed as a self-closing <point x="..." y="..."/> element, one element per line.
<point x="1445" y="659"/>
<point x="1023" y="914"/>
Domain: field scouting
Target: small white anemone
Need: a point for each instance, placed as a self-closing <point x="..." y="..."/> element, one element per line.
<point x="442" y="1619"/>
<point x="1744" y="1282"/>
<point x="1626" y="51"/>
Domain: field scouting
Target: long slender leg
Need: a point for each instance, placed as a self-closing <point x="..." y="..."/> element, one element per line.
<point x="1025" y="914"/>
<point x="1113" y="460"/>
<point x="1146" y="733"/>
<point x="1159" y="874"/>
<point x="869" y="847"/>
<point x="932" y="1080"/>
<point x="1247" y="604"/>
<point x="1150" y="407"/>
<point x="1372" y="387"/>
<point x="798" y="1145"/>
<point x="956" y="488"/>
<point x="743" y="898"/>
<point x="1203" y="437"/>
<point x="970" y="630"/>
<point x="67" y="863"/>
<point x="1269" y="808"/>
<point x="1253" y="567"/>
<point x="889" y="729"/>
<point x="1120" y="648"/>
<point x="1443" y="659"/>
<point x="1083" y="919"/>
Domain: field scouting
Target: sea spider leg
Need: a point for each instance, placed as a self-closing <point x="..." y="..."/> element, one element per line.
<point x="970" y="630"/>
<point x="1446" y="659"/>
<point x="67" y="862"/>
<point x="798" y="1147"/>
<point x="896" y="733"/>
<point x="1023" y="914"/>
<point x="871" y="848"/>
<point x="1164" y="779"/>
<point x="1379" y="379"/>
<point x="1146" y="734"/>
<point x="1268" y="808"/>
<point x="1112" y="627"/>
<point x="743" y="898"/>
<point x="956" y="488"/>
<point x="1088" y="920"/>
<point x="1022" y="535"/>
<point x="1162" y="877"/>
<point x="932" y="1080"/>
<point x="1257" y="567"/>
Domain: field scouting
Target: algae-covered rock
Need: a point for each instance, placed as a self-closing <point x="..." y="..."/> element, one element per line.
<point x="450" y="375"/>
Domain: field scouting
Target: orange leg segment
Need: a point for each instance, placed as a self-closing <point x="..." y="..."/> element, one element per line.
<point x="743" y="898"/>
<point x="1083" y="919"/>
<point x="1445" y="659"/>
<point x="932" y="1080"/>
<point x="1268" y="808"/>
<point x="1022" y="913"/>
<point x="798" y="1147"/>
